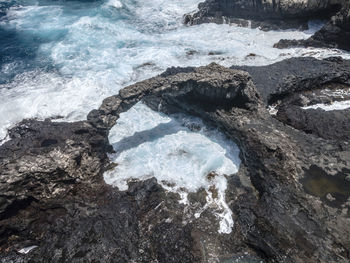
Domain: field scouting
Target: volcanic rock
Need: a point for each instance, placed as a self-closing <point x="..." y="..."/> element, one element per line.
<point x="335" y="34"/>
<point x="53" y="195"/>
<point x="264" y="14"/>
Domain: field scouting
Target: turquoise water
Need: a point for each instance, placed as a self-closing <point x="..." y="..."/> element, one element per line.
<point x="62" y="58"/>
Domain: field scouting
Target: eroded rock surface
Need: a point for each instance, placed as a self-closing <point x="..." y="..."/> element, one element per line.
<point x="213" y="84"/>
<point x="267" y="15"/>
<point x="294" y="83"/>
<point x="53" y="195"/>
<point x="335" y="34"/>
<point x="295" y="75"/>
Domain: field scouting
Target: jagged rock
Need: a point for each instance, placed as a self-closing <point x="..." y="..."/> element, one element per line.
<point x="335" y="34"/>
<point x="297" y="82"/>
<point x="217" y="85"/>
<point x="286" y="78"/>
<point x="57" y="154"/>
<point x="283" y="216"/>
<point x="53" y="196"/>
<point x="265" y="14"/>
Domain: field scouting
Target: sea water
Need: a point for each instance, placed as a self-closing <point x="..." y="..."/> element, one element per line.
<point x="61" y="58"/>
<point x="180" y="151"/>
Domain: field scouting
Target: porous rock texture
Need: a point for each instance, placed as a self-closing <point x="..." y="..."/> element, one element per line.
<point x="53" y="195"/>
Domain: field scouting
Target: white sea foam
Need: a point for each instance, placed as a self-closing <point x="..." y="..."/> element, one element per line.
<point x="46" y="94"/>
<point x="26" y="250"/>
<point x="115" y="3"/>
<point x="337" y="105"/>
<point x="96" y="48"/>
<point x="149" y="144"/>
<point x="96" y="52"/>
<point x="5" y="137"/>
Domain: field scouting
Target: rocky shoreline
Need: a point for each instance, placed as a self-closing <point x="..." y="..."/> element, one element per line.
<point x="265" y="14"/>
<point x="335" y="34"/>
<point x="290" y="198"/>
<point x="283" y="14"/>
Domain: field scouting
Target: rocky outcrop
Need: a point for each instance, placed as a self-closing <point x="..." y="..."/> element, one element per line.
<point x="54" y="197"/>
<point x="213" y="84"/>
<point x="295" y="75"/>
<point x="269" y="14"/>
<point x="335" y="34"/>
<point x="324" y="124"/>
<point x="294" y="83"/>
<point x="282" y="14"/>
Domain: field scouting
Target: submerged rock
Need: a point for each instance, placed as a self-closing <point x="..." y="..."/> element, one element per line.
<point x="53" y="195"/>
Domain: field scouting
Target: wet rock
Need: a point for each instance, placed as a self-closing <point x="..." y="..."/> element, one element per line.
<point x="53" y="195"/>
<point x="191" y="53"/>
<point x="268" y="15"/>
<point x="335" y="34"/>
<point x="292" y="76"/>
<point x="294" y="83"/>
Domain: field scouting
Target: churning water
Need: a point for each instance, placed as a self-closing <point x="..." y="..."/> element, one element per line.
<point x="62" y="58"/>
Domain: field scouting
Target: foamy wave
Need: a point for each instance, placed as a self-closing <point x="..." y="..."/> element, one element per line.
<point x="149" y="144"/>
<point x="95" y="53"/>
<point x="115" y="3"/>
<point x="337" y="105"/>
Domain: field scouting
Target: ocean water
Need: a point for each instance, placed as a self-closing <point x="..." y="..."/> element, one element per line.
<point x="340" y="94"/>
<point x="337" y="105"/>
<point x="180" y="151"/>
<point x="61" y="58"/>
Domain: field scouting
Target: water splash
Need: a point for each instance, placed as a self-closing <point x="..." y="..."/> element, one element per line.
<point x="73" y="54"/>
<point x="179" y="151"/>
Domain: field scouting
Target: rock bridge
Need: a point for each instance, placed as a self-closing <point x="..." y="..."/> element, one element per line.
<point x="214" y="85"/>
<point x="53" y="194"/>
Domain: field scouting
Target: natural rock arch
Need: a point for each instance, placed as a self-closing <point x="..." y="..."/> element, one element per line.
<point x="52" y="173"/>
<point x="213" y="84"/>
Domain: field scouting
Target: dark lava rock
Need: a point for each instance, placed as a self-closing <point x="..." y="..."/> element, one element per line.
<point x="53" y="194"/>
<point x="326" y="124"/>
<point x="297" y="82"/>
<point x="268" y="15"/>
<point x="335" y="34"/>
<point x="289" y="76"/>
<point x="216" y="85"/>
